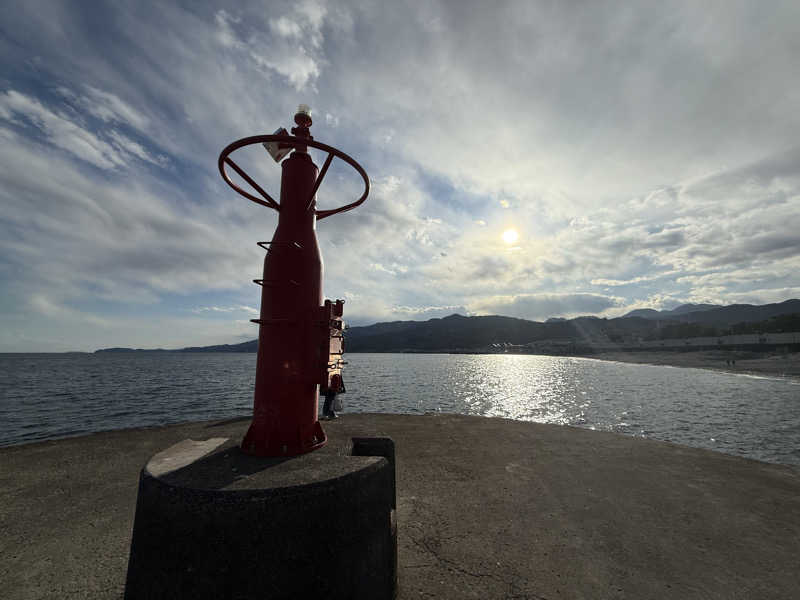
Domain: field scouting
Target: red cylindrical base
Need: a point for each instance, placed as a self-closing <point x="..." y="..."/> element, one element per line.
<point x="263" y="440"/>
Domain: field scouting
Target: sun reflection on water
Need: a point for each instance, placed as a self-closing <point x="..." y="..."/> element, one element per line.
<point x="689" y="406"/>
<point x="528" y="388"/>
<point x="52" y="396"/>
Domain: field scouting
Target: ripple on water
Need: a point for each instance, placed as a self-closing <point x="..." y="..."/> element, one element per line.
<point x="45" y="396"/>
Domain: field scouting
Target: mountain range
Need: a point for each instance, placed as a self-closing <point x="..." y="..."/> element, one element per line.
<point x="458" y="332"/>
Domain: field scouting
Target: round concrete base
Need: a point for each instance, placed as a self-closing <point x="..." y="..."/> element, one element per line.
<point x="212" y="522"/>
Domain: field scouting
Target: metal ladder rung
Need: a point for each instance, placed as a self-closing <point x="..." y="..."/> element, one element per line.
<point x="262" y="282"/>
<point x="270" y="321"/>
<point x="265" y="244"/>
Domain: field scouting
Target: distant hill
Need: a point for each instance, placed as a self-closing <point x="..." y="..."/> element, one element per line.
<point x="718" y="315"/>
<point x="250" y="346"/>
<point x="458" y="332"/>
<point x="102" y="350"/>
<point x="645" y="313"/>
<point x="687" y="308"/>
<point x="455" y="331"/>
<point x="740" y="313"/>
<point x="649" y="313"/>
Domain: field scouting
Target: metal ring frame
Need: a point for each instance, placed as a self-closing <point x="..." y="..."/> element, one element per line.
<point x="266" y="199"/>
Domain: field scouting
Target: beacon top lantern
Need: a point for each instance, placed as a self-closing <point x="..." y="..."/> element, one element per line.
<point x="299" y="339"/>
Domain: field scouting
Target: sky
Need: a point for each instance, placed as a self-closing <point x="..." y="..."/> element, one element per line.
<point x="528" y="159"/>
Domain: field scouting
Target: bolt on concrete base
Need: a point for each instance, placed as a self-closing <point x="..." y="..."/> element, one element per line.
<point x="212" y="522"/>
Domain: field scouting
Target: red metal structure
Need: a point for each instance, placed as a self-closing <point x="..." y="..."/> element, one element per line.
<point x="300" y="336"/>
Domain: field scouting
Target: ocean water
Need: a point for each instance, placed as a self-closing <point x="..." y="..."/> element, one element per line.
<point x="46" y="396"/>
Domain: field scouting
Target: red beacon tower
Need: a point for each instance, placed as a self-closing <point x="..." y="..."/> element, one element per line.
<point x="300" y="336"/>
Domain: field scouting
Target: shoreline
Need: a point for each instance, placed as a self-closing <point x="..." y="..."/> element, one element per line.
<point x="738" y="362"/>
<point x="746" y="363"/>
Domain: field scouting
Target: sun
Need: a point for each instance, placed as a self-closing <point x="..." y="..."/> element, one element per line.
<point x="510" y="236"/>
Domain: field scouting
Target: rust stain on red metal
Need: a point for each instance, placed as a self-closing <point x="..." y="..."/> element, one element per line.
<point x="300" y="335"/>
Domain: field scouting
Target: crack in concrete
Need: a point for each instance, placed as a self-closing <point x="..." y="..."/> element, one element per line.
<point x="516" y="593"/>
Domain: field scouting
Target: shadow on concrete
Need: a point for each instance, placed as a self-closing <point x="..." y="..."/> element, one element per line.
<point x="221" y="468"/>
<point x="228" y="422"/>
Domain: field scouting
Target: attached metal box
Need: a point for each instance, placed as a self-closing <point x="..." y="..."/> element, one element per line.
<point x="277" y="150"/>
<point x="331" y="347"/>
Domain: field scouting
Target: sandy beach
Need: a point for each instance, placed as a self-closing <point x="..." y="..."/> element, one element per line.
<point x="783" y="365"/>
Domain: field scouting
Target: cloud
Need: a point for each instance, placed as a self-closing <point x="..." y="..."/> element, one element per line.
<point x="226" y="309"/>
<point x="285" y="27"/>
<point x="543" y="306"/>
<point x="710" y="227"/>
<point x="110" y="108"/>
<point x="392" y="269"/>
<point x="293" y="50"/>
<point x="607" y="137"/>
<point x="763" y="296"/>
<point x="77" y="235"/>
<point x="634" y="280"/>
<point x="45" y="306"/>
<point x="225" y="34"/>
<point x="127" y="146"/>
<point x="418" y="313"/>
<point x="61" y="131"/>
<point x="380" y="311"/>
<point x="67" y="129"/>
<point x="331" y="120"/>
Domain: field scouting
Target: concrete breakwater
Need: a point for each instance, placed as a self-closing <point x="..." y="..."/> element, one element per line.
<point x="486" y="508"/>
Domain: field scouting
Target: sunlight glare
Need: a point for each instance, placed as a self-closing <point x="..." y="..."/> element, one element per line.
<point x="510" y="236"/>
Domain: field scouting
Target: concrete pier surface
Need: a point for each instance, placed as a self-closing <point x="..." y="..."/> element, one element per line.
<point x="486" y="508"/>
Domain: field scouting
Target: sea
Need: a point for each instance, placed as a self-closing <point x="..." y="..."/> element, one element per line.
<point x="51" y="396"/>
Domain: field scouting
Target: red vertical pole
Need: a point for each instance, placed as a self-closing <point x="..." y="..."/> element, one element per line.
<point x="286" y="396"/>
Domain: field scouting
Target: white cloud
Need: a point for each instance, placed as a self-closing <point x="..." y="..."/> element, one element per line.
<point x="226" y="309"/>
<point x="110" y="108"/>
<point x="294" y="50"/>
<point x="285" y="27"/>
<point x="45" y="306"/>
<point x="568" y="126"/>
<point x="128" y="146"/>
<point x="543" y="306"/>
<point x="378" y="310"/>
<point x="61" y="131"/>
<point x="763" y="296"/>
<point x="299" y="67"/>
<point x="640" y="279"/>
<point x="225" y="34"/>
<point x="123" y="243"/>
